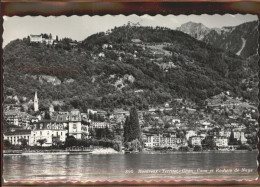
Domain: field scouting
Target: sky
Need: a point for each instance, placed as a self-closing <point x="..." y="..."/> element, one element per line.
<point x="80" y="27"/>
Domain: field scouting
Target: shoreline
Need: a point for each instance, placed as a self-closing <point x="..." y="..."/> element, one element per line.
<point x="113" y="152"/>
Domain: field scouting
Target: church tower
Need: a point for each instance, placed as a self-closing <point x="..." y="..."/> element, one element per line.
<point x="35" y="103"/>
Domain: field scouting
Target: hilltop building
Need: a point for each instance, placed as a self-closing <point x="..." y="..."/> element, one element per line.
<point x="36" y="38"/>
<point x="41" y="38"/>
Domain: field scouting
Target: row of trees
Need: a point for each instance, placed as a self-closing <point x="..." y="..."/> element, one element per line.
<point x="72" y="141"/>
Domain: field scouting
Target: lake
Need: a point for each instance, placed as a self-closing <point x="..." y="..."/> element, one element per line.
<point x="179" y="165"/>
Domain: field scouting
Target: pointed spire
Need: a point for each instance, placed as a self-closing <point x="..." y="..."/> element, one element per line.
<point x="35" y="96"/>
<point x="36" y="104"/>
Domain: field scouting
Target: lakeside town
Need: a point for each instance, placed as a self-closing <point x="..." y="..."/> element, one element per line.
<point x="224" y="123"/>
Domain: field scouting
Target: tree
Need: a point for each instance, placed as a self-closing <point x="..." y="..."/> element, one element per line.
<point x="24" y="142"/>
<point x="47" y="115"/>
<point x="184" y="148"/>
<point x="197" y="148"/>
<point x="92" y="133"/>
<point x="132" y="129"/>
<point x="70" y="141"/>
<point x="56" y="141"/>
<point x="108" y="133"/>
<point x="117" y="146"/>
<point x="209" y="143"/>
<point x="134" y="124"/>
<point x="136" y="145"/>
<point x="126" y="130"/>
<point x="42" y="141"/>
<point x="7" y="144"/>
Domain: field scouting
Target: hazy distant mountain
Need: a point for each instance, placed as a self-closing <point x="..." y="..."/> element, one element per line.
<point x="241" y="39"/>
<point x="196" y="30"/>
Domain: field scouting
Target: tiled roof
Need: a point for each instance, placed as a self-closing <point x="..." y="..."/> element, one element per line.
<point x="20" y="132"/>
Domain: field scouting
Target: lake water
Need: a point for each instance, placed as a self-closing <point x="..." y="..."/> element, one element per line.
<point x="205" y="165"/>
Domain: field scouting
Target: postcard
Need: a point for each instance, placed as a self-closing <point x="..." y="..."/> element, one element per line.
<point x="130" y="97"/>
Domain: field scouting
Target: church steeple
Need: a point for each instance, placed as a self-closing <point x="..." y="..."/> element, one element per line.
<point x="35" y="103"/>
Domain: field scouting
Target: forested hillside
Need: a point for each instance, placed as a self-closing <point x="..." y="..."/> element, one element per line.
<point x="125" y="67"/>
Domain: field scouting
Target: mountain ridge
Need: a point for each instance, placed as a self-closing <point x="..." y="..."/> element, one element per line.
<point x="229" y="38"/>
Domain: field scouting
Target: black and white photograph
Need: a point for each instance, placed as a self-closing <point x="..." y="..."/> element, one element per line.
<point x="115" y="97"/>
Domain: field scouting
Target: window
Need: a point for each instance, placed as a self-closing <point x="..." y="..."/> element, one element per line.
<point x="74" y="127"/>
<point x="40" y="132"/>
<point x="61" y="133"/>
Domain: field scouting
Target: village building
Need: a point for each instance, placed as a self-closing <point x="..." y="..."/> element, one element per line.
<point x="17" y="118"/>
<point x="102" y="113"/>
<point x="36" y="38"/>
<point x="12" y="117"/>
<point x="163" y="140"/>
<point x="34" y="119"/>
<point x="240" y="135"/>
<point x="221" y="142"/>
<point x="152" y="110"/>
<point x="99" y="125"/>
<point x="136" y="40"/>
<point x="74" y="126"/>
<point x="60" y="116"/>
<point x="195" y="141"/>
<point x="190" y="133"/>
<point x="105" y="46"/>
<point x="205" y="125"/>
<point x="85" y="131"/>
<point x="51" y="131"/>
<point x="121" y="113"/>
<point x="51" y="109"/>
<point x="176" y="120"/>
<point x="101" y="55"/>
<point x="191" y="110"/>
<point x="91" y="111"/>
<point x="84" y="117"/>
<point x="202" y="134"/>
<point x="48" y="41"/>
<point x="139" y="91"/>
<point x="15" y="137"/>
